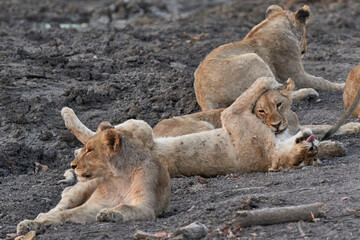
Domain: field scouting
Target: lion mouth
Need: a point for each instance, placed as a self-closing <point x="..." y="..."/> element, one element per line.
<point x="86" y="175"/>
<point x="279" y="131"/>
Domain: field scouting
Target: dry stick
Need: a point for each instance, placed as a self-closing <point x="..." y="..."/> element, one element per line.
<point x="268" y="216"/>
<point x="343" y="118"/>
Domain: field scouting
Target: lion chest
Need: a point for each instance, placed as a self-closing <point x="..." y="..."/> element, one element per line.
<point x="112" y="192"/>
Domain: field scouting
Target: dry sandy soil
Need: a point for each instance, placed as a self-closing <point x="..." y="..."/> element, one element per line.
<point x="110" y="60"/>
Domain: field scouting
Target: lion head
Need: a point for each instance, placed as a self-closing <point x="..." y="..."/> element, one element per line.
<point x="272" y="105"/>
<point x="297" y="20"/>
<point x="113" y="150"/>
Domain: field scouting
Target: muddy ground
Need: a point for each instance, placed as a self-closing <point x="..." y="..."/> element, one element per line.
<point x="115" y="60"/>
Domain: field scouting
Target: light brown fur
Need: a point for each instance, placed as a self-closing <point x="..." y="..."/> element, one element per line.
<point x="273" y="48"/>
<point x="191" y="123"/>
<point x="119" y="180"/>
<point x="271" y="114"/>
<point x="352" y="87"/>
<point x="233" y="148"/>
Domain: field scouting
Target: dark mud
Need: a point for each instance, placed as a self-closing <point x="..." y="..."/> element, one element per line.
<point x="110" y="60"/>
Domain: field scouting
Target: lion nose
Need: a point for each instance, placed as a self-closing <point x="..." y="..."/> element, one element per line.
<point x="276" y="126"/>
<point x="73" y="166"/>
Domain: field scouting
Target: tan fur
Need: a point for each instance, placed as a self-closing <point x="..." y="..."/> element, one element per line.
<point x="352" y="87"/>
<point x="273" y="48"/>
<point x="234" y="148"/>
<point x="274" y="116"/>
<point x="119" y="180"/>
<point x="191" y="123"/>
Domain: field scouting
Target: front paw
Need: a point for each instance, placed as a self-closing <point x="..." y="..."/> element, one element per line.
<point x="307" y="147"/>
<point x="303" y="135"/>
<point x="27" y="225"/>
<point x="312" y="94"/>
<point x="109" y="215"/>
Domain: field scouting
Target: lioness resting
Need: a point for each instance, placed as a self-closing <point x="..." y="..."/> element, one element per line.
<point x="244" y="144"/>
<point x="272" y="107"/>
<point x="118" y="178"/>
<point x="273" y="48"/>
<point x="352" y="88"/>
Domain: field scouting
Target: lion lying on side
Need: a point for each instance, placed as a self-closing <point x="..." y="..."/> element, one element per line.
<point x="273" y="48"/>
<point x="118" y="178"/>
<point x="352" y="87"/>
<point x="244" y="144"/>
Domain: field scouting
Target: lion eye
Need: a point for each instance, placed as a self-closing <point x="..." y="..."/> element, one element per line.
<point x="89" y="150"/>
<point x="278" y="105"/>
<point x="261" y="111"/>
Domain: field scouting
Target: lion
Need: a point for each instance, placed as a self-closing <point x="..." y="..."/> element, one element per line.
<point x="272" y="48"/>
<point x="118" y="180"/>
<point x="267" y="111"/>
<point x="210" y="120"/>
<point x="243" y="144"/>
<point x="352" y="88"/>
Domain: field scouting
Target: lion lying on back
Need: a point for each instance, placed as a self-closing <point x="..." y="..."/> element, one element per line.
<point x="118" y="178"/>
<point x="272" y="108"/>
<point x="244" y="144"/>
<point x="273" y="48"/>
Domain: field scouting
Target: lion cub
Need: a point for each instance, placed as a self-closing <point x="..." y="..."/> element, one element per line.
<point x="118" y="180"/>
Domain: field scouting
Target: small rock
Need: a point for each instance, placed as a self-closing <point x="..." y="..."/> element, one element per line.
<point x="132" y="59"/>
<point x="194" y="230"/>
<point x="177" y="66"/>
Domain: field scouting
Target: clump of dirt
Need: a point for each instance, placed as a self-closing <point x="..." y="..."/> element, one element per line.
<point x="114" y="60"/>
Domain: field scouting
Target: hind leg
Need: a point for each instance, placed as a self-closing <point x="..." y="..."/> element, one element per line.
<point x="346" y="129"/>
<point x="305" y="80"/>
<point x="330" y="149"/>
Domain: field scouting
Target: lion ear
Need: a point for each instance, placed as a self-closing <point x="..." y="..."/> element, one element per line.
<point x="271" y="10"/>
<point x="303" y="14"/>
<point x="103" y="126"/>
<point x="111" y="139"/>
<point x="287" y="87"/>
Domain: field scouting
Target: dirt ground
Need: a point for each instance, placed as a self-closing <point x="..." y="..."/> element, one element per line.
<point x="115" y="60"/>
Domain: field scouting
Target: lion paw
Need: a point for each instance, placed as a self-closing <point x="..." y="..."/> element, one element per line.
<point x="304" y="93"/>
<point x="312" y="94"/>
<point x="331" y="149"/>
<point x="307" y="147"/>
<point x="109" y="215"/>
<point x="67" y="111"/>
<point x="350" y="128"/>
<point x="27" y="225"/>
<point x="304" y="136"/>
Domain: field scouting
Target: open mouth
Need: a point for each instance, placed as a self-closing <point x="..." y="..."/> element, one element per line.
<point x="308" y="138"/>
<point x="279" y="131"/>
